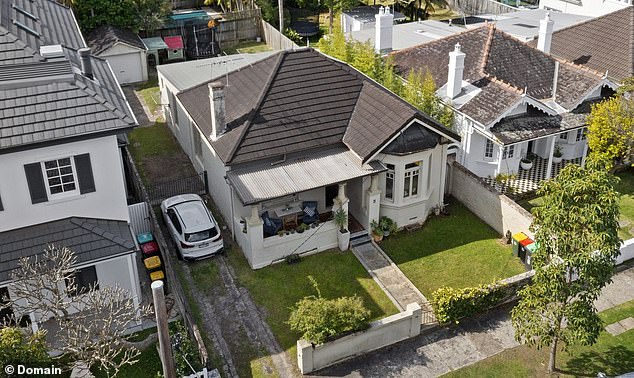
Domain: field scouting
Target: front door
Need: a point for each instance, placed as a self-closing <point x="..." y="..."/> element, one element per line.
<point x="331" y="194"/>
<point x="530" y="147"/>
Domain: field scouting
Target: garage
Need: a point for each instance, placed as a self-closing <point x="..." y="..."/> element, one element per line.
<point x="124" y="51"/>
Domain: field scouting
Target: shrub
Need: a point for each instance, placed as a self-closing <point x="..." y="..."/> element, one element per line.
<point x="320" y="319"/>
<point x="450" y="305"/>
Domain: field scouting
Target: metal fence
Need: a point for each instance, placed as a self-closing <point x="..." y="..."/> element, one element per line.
<point x="175" y="287"/>
<point x="159" y="191"/>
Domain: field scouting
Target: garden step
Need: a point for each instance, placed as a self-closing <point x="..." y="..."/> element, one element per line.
<point x="359" y="240"/>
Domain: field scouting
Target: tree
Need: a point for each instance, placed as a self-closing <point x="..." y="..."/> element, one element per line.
<point x="94" y="13"/>
<point x="611" y="128"/>
<point x="150" y="14"/>
<point x="336" y="6"/>
<point x="91" y="322"/>
<point x="576" y="233"/>
<point x="425" y="7"/>
<point x="17" y="347"/>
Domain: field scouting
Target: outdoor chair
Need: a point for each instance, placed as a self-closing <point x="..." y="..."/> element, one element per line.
<point x="309" y="211"/>
<point x="271" y="225"/>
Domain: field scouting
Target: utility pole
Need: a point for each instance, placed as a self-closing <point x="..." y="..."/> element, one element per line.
<point x="167" y="360"/>
<point x="280" y="4"/>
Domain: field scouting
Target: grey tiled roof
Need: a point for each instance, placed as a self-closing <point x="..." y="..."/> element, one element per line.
<point x="604" y="43"/>
<point x="494" y="56"/>
<point x="300" y="100"/>
<point x="22" y="35"/>
<point x="366" y="13"/>
<point x="90" y="239"/>
<point x="107" y="36"/>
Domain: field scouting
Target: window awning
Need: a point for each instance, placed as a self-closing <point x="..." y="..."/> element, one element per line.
<point x="263" y="182"/>
<point x="174" y="43"/>
<point x="154" y="43"/>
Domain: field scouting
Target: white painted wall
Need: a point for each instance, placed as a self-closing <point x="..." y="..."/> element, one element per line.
<point x="108" y="201"/>
<point x="591" y="8"/>
<point x="128" y="63"/>
<point x="383" y="332"/>
<point x="627" y="252"/>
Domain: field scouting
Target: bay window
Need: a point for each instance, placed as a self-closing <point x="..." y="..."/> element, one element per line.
<point x="389" y="182"/>
<point x="410" y="182"/>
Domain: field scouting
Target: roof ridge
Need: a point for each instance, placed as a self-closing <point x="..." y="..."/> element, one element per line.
<point x="487" y="48"/>
<point x="103" y="101"/>
<point x="96" y="229"/>
<point x="265" y="90"/>
<point x="503" y="83"/>
<point x="435" y="41"/>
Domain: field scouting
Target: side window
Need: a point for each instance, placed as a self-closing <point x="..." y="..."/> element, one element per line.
<point x="389" y="182"/>
<point x="174" y="219"/>
<point x="85" y="280"/>
<point x="63" y="176"/>
<point x="488" y="149"/>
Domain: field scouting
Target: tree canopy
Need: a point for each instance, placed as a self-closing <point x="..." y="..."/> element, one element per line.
<point x="576" y="231"/>
<point x="17" y="347"/>
<point x="132" y="14"/>
<point x="611" y="128"/>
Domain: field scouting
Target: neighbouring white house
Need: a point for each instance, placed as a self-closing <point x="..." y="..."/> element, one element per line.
<point x="591" y="8"/>
<point x="363" y="17"/>
<point x="123" y="49"/>
<point x="290" y="137"/>
<point x="511" y="100"/>
<point x="63" y="179"/>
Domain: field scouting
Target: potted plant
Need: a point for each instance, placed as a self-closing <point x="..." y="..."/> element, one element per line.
<point x="557" y="154"/>
<point x="280" y="233"/>
<point x="526" y="163"/>
<point x="377" y="231"/>
<point x="343" y="236"/>
<point x="302" y="227"/>
<point x="388" y="226"/>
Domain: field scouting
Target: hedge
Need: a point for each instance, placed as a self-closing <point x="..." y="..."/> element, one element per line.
<point x="450" y="305"/>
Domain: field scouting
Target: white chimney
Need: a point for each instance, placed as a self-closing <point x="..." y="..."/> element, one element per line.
<point x="455" y="74"/>
<point x="217" y="102"/>
<point x="545" y="34"/>
<point x="383" y="30"/>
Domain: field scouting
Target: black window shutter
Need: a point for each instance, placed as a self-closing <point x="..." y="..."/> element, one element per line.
<point x="84" y="173"/>
<point x="35" y="179"/>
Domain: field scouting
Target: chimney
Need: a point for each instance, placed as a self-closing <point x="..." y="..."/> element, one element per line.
<point x="383" y="30"/>
<point x="86" y="64"/>
<point x="456" y="70"/>
<point x="545" y="34"/>
<point x="217" y="102"/>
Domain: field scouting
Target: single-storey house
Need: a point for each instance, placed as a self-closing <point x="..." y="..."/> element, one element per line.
<point x="511" y="100"/>
<point x="592" y="8"/>
<point x="363" y="17"/>
<point x="123" y="49"/>
<point x="290" y="138"/>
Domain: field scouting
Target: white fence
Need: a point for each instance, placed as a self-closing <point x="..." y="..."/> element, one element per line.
<point x="140" y="217"/>
<point x="381" y="333"/>
<point x="276" y="40"/>
<point x="627" y="252"/>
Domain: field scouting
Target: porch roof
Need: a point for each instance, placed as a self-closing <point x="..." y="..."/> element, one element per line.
<point x="259" y="183"/>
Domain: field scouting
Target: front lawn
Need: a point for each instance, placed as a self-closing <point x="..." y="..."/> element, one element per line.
<point x="458" y="250"/>
<point x="612" y="355"/>
<point x="277" y="288"/>
<point x="625" y="187"/>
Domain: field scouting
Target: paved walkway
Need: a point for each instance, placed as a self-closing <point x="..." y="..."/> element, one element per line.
<point x="446" y="349"/>
<point x="390" y="278"/>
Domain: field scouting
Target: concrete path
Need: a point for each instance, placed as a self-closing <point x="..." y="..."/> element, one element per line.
<point x="390" y="278"/>
<point x="445" y="349"/>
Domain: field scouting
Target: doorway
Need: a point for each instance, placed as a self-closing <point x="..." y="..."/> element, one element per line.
<point x="331" y="194"/>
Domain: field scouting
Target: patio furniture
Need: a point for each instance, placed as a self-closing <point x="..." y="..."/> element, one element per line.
<point x="289" y="215"/>
<point x="271" y="225"/>
<point x="309" y="210"/>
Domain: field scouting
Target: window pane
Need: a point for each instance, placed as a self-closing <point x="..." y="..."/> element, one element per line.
<point x="389" y="185"/>
<point x="59" y="174"/>
<point x="65" y="161"/>
<point x="54" y="181"/>
<point x="69" y="187"/>
<point x="406" y="184"/>
<point x="56" y="189"/>
<point x="67" y="178"/>
<point x="66" y="170"/>
<point x="415" y="184"/>
<point x="50" y="164"/>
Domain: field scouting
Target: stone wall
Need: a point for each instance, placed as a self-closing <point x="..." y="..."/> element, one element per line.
<point x="497" y="210"/>
<point x="381" y="333"/>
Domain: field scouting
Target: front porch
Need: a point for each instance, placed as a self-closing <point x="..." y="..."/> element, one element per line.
<point x="528" y="180"/>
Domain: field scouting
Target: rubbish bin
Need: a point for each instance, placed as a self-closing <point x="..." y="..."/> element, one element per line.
<point x="530" y="249"/>
<point x="522" y="248"/>
<point x="517" y="238"/>
<point x="152" y="263"/>
<point x="144" y="237"/>
<point x="150" y="249"/>
<point x="157" y="275"/>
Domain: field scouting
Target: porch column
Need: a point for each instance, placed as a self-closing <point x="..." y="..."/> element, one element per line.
<point x="549" y="167"/>
<point x="374" y="201"/>
<point x="584" y="155"/>
<point x="500" y="154"/>
<point x="341" y="201"/>
<point x="136" y="286"/>
<point x="255" y="234"/>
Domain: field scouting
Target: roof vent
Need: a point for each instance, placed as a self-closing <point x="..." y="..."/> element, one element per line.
<point x="51" y="51"/>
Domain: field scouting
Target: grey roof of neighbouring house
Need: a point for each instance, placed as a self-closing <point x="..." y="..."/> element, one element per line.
<point x="26" y="25"/>
<point x="90" y="239"/>
<point x="503" y="68"/>
<point x="104" y="37"/>
<point x="189" y="74"/>
<point x="301" y="100"/>
<point x="604" y="43"/>
<point x="366" y="13"/>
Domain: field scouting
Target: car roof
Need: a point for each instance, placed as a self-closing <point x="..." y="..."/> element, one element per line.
<point x="194" y="215"/>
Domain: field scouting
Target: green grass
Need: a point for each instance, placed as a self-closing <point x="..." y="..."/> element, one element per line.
<point x="152" y="141"/>
<point x="248" y="47"/>
<point x="612" y="355"/>
<point x="277" y="288"/>
<point x="458" y="250"/>
<point x="625" y="187"/>
<point x="149" y="361"/>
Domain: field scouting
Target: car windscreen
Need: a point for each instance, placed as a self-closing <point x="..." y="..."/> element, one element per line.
<point x="201" y="235"/>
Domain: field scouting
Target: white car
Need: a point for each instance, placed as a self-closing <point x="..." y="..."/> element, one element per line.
<point x="192" y="226"/>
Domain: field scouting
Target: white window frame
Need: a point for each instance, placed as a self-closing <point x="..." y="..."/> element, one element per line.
<point x="508" y="152"/>
<point x="581" y="134"/>
<point x="391" y="174"/>
<point x="46" y="178"/>
<point x="487" y="144"/>
<point x="563" y="136"/>
<point x="413" y="174"/>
